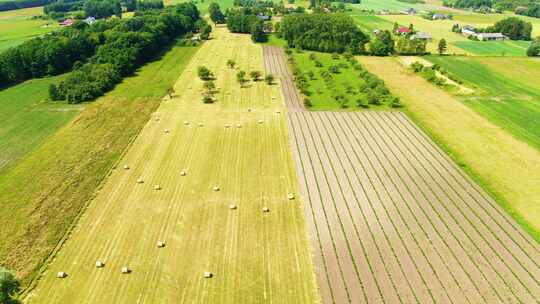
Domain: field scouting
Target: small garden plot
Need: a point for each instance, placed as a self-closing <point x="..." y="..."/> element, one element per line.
<point x="332" y="81"/>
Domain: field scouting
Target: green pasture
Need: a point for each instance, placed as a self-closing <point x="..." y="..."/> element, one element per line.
<point x="28" y="118"/>
<point x="18" y="26"/>
<point x="506" y="91"/>
<point x="494" y="48"/>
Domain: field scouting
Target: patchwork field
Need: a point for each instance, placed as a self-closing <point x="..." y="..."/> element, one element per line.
<point x="507" y="88"/>
<point x="254" y="256"/>
<point x="395" y="5"/>
<point x="45" y="190"/>
<point x="392" y="219"/>
<point x="507" y="167"/>
<point x="17" y="26"/>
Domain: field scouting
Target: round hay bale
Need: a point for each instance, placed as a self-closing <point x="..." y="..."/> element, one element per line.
<point x="290" y="196"/>
<point x="261" y="121"/>
<point x="186" y="123"/>
<point x="201" y="124"/>
<point x="140" y="180"/>
<point x="227" y="126"/>
<point x="157" y="118"/>
<point x="183" y="173"/>
<point x="208" y="274"/>
<point x="167" y="131"/>
<point x="232" y="206"/>
<point x="238" y="125"/>
<point x="160" y="244"/>
<point x="216" y="188"/>
<point x="125" y="270"/>
<point x="249" y="110"/>
<point x="265" y="209"/>
<point x="273" y="97"/>
<point x="126" y="167"/>
<point x="100" y="264"/>
<point x="157" y="187"/>
<point x="61" y="275"/>
<point x="278" y="111"/>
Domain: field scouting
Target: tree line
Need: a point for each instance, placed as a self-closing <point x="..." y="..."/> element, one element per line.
<point x="323" y="32"/>
<point x="127" y="46"/>
<point x="100" y="55"/>
<point x="9" y="5"/>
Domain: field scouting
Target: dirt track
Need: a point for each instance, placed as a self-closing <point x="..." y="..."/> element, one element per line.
<point x="276" y="63"/>
<point x="393" y="220"/>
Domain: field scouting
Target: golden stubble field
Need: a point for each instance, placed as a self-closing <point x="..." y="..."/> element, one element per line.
<point x="254" y="256"/>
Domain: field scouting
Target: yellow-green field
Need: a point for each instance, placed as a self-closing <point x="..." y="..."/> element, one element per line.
<point x="255" y="257"/>
<point x="56" y="171"/>
<point x="507" y="167"/>
<point x="18" y="26"/>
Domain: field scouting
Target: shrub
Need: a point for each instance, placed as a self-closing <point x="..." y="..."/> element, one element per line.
<point x="334" y="69"/>
<point x="307" y="103"/>
<point x="269" y="79"/>
<point x="255" y="75"/>
<point x="9" y="287"/>
<point x="318" y="64"/>
<point x="231" y="63"/>
<point x="204" y="73"/>
<point x="208" y="99"/>
<point x="396" y="102"/>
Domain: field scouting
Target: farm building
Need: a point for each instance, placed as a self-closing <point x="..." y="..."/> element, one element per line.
<point x="422" y="36"/>
<point x="491" y="36"/>
<point x="90" y="20"/>
<point x="440" y="17"/>
<point x="409" y="11"/>
<point x="467" y="32"/>
<point x="263" y="17"/>
<point x="403" y="30"/>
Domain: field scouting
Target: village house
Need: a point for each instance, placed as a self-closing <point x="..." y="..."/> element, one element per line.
<point x="90" y="20"/>
<point x="67" y="22"/>
<point x="422" y="36"/>
<point x="409" y="11"/>
<point x="403" y="30"/>
<point x="440" y="17"/>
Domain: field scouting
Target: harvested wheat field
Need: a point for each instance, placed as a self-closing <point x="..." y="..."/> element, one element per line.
<point x="196" y="212"/>
<point x="393" y="220"/>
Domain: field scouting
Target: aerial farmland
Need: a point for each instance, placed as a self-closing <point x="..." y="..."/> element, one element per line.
<point x="269" y="152"/>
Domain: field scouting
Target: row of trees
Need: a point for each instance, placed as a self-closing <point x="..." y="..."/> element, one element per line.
<point x="323" y="32"/>
<point x="9" y="5"/>
<point x="127" y="45"/>
<point x="532" y="10"/>
<point x="243" y="20"/>
<point x="102" y="8"/>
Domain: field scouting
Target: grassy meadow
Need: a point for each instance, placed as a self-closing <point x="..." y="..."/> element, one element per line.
<point x="506" y="91"/>
<point x="506" y="167"/>
<point x="29" y="118"/>
<point x="494" y="48"/>
<point x="255" y="256"/>
<point x="17" y="26"/>
<point x="44" y="192"/>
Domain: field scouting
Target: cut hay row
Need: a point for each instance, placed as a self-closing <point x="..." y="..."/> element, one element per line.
<point x="276" y="64"/>
<point x="253" y="253"/>
<point x="383" y="198"/>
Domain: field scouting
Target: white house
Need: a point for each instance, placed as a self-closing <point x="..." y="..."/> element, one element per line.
<point x="491" y="36"/>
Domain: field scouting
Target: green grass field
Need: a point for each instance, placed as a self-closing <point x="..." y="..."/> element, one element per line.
<point x="392" y="5"/>
<point x="28" y="118"/>
<point x="494" y="48"/>
<point x="507" y="91"/>
<point x="345" y="83"/>
<point x="45" y="191"/>
<point x="369" y="23"/>
<point x="17" y="26"/>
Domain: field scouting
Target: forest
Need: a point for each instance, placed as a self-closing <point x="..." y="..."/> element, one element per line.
<point x="324" y="33"/>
